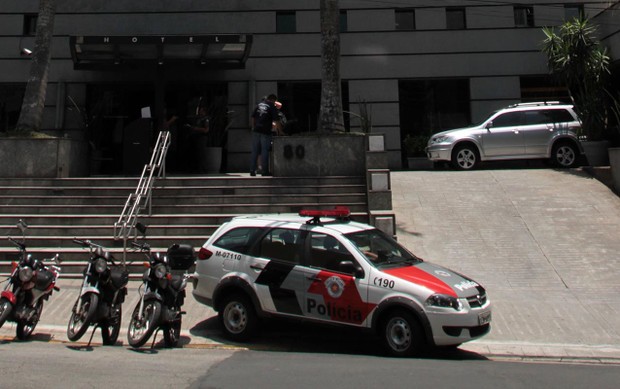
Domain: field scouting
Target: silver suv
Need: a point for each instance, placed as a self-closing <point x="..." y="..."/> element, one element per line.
<point x="521" y="131"/>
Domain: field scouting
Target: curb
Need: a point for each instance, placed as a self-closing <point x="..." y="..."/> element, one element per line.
<point x="494" y="351"/>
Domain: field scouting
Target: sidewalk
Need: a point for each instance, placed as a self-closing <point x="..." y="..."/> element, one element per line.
<point x="545" y="244"/>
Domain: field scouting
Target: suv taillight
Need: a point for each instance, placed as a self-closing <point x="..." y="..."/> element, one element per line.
<point x="204" y="253"/>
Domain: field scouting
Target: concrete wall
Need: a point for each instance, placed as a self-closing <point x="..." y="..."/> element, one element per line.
<point x="43" y="158"/>
<point x="491" y="52"/>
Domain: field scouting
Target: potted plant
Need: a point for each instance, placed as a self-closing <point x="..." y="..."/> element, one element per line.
<point x="578" y="60"/>
<point x="414" y="148"/>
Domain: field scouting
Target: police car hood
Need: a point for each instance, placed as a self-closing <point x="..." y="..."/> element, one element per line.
<point x="438" y="279"/>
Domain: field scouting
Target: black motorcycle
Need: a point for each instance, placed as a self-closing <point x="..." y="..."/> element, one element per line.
<point x="104" y="288"/>
<point x="162" y="294"/>
<point x="31" y="283"/>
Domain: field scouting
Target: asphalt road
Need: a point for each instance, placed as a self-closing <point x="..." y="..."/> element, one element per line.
<point x="57" y="365"/>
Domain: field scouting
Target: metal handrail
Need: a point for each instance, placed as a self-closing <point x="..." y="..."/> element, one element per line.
<point x="142" y="197"/>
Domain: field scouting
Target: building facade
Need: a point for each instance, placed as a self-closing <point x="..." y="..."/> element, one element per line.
<point x="417" y="66"/>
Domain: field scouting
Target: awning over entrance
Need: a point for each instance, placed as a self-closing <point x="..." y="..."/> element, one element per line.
<point x="221" y="51"/>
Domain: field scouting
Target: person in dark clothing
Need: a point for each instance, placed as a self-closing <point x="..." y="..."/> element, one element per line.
<point x="263" y="119"/>
<point x="197" y="134"/>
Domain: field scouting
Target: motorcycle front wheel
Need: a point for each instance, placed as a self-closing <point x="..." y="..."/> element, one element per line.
<point x="25" y="328"/>
<point x="81" y="319"/>
<point x="5" y="310"/>
<point x="172" y="333"/>
<point x="111" y="326"/>
<point x="141" y="329"/>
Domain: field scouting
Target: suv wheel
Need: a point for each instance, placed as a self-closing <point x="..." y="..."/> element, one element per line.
<point x="465" y="157"/>
<point x="238" y="318"/>
<point x="402" y="335"/>
<point x="564" y="155"/>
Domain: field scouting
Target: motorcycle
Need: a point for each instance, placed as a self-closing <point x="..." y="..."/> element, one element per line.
<point x="31" y="283"/>
<point x="103" y="292"/>
<point x="162" y="294"/>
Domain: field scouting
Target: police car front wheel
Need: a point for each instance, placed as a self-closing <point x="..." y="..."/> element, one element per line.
<point x="238" y="318"/>
<point x="402" y="334"/>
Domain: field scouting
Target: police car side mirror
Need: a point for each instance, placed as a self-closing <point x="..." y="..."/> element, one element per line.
<point x="351" y="268"/>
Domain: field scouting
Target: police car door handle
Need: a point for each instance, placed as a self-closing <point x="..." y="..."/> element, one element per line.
<point x="314" y="279"/>
<point x="257" y="267"/>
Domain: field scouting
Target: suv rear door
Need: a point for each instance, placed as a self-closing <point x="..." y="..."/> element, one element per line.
<point x="542" y="126"/>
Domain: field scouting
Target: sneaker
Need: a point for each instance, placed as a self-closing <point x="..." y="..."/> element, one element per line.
<point x="253" y="173"/>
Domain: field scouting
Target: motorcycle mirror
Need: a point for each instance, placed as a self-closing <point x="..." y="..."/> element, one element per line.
<point x="22" y="226"/>
<point x="57" y="259"/>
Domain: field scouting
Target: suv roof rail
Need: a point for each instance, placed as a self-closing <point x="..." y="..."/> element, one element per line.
<point x="536" y="104"/>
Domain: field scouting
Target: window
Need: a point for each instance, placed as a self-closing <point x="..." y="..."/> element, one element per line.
<point x="379" y="248"/>
<point x="524" y="16"/>
<point x="455" y="18"/>
<point x="560" y="116"/>
<point x="286" y="22"/>
<point x="537" y="117"/>
<point x="238" y="240"/>
<point x="405" y="19"/>
<point x="344" y="24"/>
<point x="509" y="119"/>
<point x="281" y="244"/>
<point x="30" y="24"/>
<point x="573" y="11"/>
<point x="327" y="252"/>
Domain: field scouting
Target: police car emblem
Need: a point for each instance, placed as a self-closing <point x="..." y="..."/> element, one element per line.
<point x="334" y="286"/>
<point x="442" y="273"/>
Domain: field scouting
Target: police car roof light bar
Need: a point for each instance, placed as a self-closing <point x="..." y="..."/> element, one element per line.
<point x="340" y="213"/>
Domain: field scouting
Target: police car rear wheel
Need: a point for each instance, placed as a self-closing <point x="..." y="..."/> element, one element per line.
<point x="402" y="334"/>
<point x="238" y="318"/>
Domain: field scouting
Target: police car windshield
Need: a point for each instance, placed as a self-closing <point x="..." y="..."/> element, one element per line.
<point x="380" y="249"/>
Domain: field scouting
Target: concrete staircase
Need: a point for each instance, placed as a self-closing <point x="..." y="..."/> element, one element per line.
<point x="184" y="210"/>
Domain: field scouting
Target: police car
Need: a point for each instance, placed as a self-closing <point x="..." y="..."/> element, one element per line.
<point x="321" y="266"/>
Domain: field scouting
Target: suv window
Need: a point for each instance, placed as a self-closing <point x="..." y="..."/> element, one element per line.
<point x="327" y="253"/>
<point x="239" y="239"/>
<point x="537" y="117"/>
<point x="560" y="116"/>
<point x="509" y="119"/>
<point x="281" y="244"/>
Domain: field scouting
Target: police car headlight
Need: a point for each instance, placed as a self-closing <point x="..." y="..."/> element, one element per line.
<point x="444" y="301"/>
<point x="101" y="265"/>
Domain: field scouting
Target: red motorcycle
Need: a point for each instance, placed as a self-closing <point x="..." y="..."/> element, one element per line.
<point x="31" y="283"/>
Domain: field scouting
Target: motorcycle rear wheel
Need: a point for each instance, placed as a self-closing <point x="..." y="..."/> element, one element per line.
<point x="111" y="326"/>
<point x="5" y="310"/>
<point x="26" y="328"/>
<point x="172" y="333"/>
<point x="80" y="320"/>
<point x="140" y="330"/>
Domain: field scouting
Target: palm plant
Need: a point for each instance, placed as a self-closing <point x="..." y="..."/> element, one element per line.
<point x="577" y="58"/>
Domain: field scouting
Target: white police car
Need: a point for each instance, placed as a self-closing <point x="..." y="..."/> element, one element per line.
<point x="321" y="266"/>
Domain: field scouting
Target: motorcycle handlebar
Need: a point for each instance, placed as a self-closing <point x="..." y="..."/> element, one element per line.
<point x="141" y="246"/>
<point x="22" y="246"/>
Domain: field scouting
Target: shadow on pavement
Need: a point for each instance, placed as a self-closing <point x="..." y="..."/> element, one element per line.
<point x="289" y="336"/>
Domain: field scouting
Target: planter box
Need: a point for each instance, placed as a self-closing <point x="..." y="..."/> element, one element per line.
<point x="596" y="152"/>
<point x="43" y="158"/>
<point x="419" y="163"/>
<point x="316" y="155"/>
<point x="614" y="163"/>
